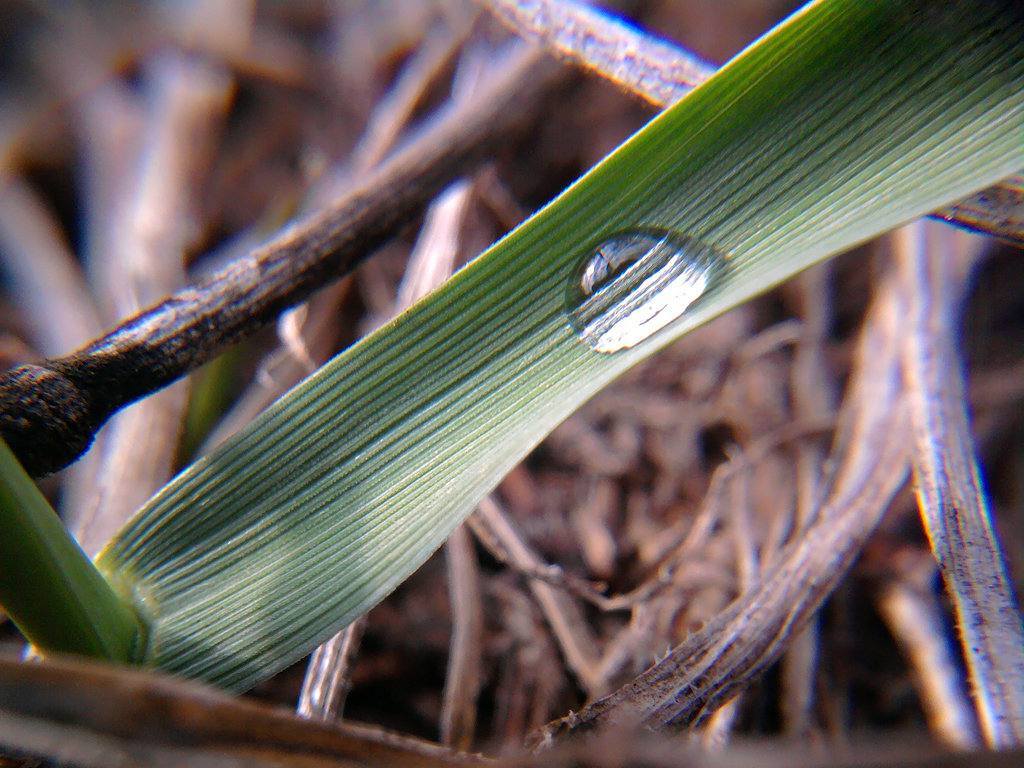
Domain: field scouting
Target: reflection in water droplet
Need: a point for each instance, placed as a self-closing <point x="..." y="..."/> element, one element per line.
<point x="636" y="283"/>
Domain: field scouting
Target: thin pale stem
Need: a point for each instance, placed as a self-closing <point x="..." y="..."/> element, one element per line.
<point x="150" y="226"/>
<point x="328" y="674"/>
<point x="465" y="664"/>
<point x="431" y="263"/>
<point x="914" y="614"/>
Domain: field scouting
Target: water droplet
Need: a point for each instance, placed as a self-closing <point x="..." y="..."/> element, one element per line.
<point x="636" y="283"/>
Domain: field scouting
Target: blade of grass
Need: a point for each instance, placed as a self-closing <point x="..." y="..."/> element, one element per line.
<point x="662" y="72"/>
<point x="48" y="587"/>
<point x="824" y="134"/>
<point x="430" y="264"/>
<point x="659" y="71"/>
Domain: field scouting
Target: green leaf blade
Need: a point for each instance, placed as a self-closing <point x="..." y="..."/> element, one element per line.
<point x="848" y="120"/>
<point x="48" y="587"/>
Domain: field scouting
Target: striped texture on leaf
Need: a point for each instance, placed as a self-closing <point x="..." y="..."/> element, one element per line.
<point x="849" y="119"/>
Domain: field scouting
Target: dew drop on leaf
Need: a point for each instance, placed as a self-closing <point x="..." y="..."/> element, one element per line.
<point x="635" y="283"/>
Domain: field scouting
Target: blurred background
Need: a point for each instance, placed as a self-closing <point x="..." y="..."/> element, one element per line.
<point x="144" y="145"/>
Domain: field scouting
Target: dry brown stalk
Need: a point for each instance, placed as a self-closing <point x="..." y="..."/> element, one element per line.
<point x="93" y="716"/>
<point x="189" y="328"/>
<point x="948" y="483"/>
<point x="736" y="646"/>
<point x="813" y="397"/>
<point x="656" y="70"/>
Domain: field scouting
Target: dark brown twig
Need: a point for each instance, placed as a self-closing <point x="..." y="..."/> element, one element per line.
<point x="309" y="331"/>
<point x="88" y="715"/>
<point x="50" y="411"/>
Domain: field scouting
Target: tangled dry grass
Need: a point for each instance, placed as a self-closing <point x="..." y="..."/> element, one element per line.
<point x="738" y="508"/>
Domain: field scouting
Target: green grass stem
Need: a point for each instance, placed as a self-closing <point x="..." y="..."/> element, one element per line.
<point x="48" y="587"/>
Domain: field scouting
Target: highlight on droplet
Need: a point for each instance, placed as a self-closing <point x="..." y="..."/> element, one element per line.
<point x="635" y="283"/>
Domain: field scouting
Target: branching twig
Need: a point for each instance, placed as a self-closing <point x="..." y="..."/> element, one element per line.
<point x="50" y="411"/>
<point x="573" y="635"/>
